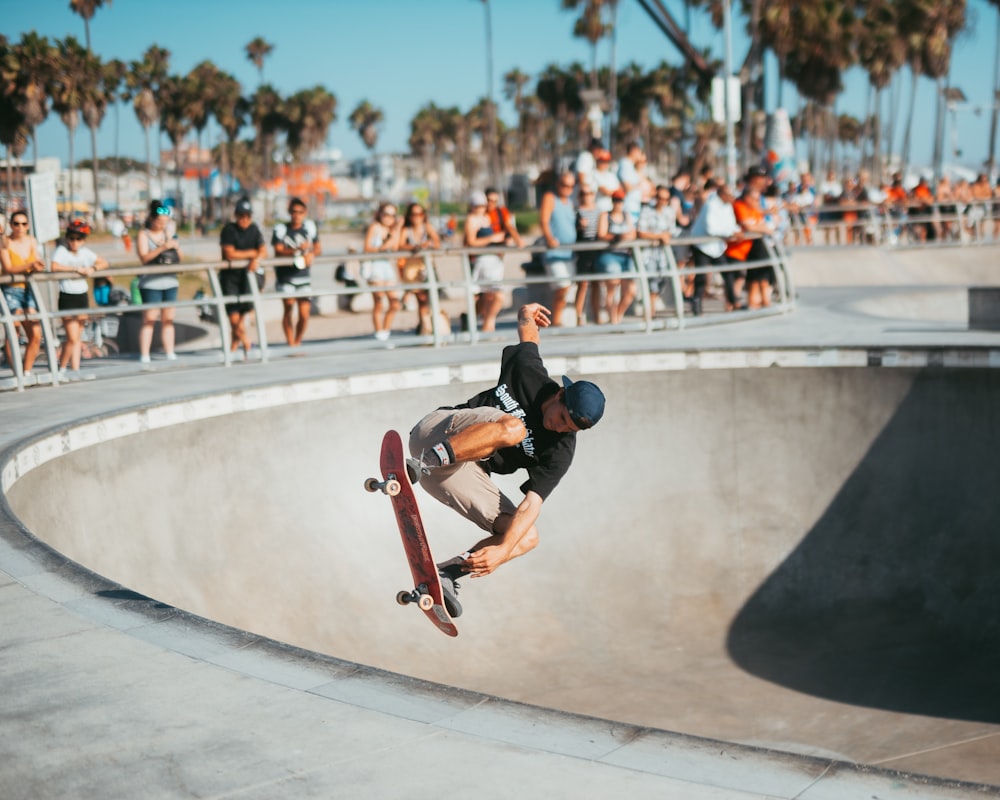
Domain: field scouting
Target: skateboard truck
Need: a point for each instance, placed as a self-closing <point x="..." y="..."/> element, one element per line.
<point x="389" y="486"/>
<point x="421" y="596"/>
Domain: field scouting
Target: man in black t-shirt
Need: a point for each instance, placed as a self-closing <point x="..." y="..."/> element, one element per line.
<point x="240" y="239"/>
<point x="527" y="421"/>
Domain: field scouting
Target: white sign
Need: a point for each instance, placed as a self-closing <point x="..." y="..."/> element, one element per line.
<point x="719" y="99"/>
<point x="42" y="206"/>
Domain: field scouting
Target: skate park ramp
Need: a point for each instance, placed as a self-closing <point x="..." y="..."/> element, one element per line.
<point x="804" y="559"/>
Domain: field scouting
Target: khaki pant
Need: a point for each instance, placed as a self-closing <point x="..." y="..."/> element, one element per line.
<point x="464" y="487"/>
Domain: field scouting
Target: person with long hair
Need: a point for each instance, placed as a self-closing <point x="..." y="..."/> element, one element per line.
<point x="415" y="236"/>
<point x="157" y="244"/>
<point x="382" y="236"/>
<point x="19" y="256"/>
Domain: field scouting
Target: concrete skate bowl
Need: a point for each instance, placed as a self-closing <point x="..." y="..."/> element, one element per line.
<point x="799" y="558"/>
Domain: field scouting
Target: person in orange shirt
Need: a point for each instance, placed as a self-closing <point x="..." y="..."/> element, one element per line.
<point x="923" y="199"/>
<point x="749" y="212"/>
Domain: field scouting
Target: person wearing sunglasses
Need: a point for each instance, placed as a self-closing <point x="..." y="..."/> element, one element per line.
<point x="241" y="241"/>
<point x="74" y="257"/>
<point x="19" y="256"/>
<point x="557" y="218"/>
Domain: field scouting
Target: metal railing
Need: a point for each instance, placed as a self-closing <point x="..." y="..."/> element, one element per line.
<point x="463" y="285"/>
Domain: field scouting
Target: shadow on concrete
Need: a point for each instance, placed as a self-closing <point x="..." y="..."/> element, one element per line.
<point x="891" y="601"/>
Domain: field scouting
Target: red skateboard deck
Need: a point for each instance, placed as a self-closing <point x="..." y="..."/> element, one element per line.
<point x="426" y="582"/>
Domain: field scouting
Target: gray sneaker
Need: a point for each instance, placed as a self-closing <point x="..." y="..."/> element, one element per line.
<point x="414" y="469"/>
<point x="449" y="589"/>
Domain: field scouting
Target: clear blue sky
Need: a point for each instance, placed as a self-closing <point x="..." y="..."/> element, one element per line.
<point x="400" y="54"/>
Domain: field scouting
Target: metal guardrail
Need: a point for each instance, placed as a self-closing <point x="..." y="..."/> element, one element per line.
<point x="465" y="287"/>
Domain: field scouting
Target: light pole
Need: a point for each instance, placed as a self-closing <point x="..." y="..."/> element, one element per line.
<point x="491" y="111"/>
<point x="727" y="26"/>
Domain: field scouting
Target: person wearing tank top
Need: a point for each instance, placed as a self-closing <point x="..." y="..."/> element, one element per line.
<point x="614" y="227"/>
<point x="19" y="256"/>
<point x="558" y="221"/>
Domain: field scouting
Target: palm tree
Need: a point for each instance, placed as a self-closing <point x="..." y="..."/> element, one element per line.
<point x="116" y="89"/>
<point x="881" y="52"/>
<point x="365" y="120"/>
<point x="96" y="96"/>
<point x="175" y="94"/>
<point x="27" y="68"/>
<point x="204" y="78"/>
<point x="144" y="80"/>
<point x="309" y="112"/>
<point x="559" y="92"/>
<point x="928" y="29"/>
<point x="258" y="50"/>
<point x="13" y="130"/>
<point x="267" y="115"/>
<point x="230" y="111"/>
<point x="513" y="89"/>
<point x="590" y="25"/>
<point x="67" y="92"/>
<point x="86" y="9"/>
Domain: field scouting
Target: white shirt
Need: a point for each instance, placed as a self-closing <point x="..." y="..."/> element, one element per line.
<point x="716" y="218"/>
<point x="84" y="257"/>
<point x="627" y="173"/>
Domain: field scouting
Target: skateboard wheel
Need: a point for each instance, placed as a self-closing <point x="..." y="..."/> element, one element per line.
<point x="392" y="487"/>
<point x="403" y="598"/>
<point x="371" y="485"/>
<point x="426" y="602"/>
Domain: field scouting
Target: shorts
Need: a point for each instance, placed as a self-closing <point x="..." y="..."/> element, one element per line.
<point x="380" y="271"/>
<point x="487" y="271"/>
<point x="73" y="302"/>
<point x="234" y="282"/>
<point x="158" y="295"/>
<point x="586" y="262"/>
<point x="559" y="267"/>
<point x="464" y="487"/>
<point x="290" y="279"/>
<point x="20" y="298"/>
<point x="614" y="263"/>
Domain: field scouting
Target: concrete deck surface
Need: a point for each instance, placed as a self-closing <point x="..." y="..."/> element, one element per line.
<point x="108" y="692"/>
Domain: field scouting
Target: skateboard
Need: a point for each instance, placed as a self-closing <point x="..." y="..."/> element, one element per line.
<point x="427" y="584"/>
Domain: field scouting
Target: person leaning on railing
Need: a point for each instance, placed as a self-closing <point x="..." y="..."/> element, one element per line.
<point x="82" y="261"/>
<point x="19" y="256"/>
<point x="241" y="239"/>
<point x="717" y="218"/>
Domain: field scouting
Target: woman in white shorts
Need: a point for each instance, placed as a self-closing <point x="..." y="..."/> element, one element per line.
<point x="487" y="269"/>
<point x="382" y="237"/>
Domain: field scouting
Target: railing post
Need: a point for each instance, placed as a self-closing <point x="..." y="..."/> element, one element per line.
<point x="470" y="298"/>
<point x="430" y="277"/>
<point x="47" y="332"/>
<point x="643" y="278"/>
<point x="258" y="315"/>
<point x="221" y="315"/>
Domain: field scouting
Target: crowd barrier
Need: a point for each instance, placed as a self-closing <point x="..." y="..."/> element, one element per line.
<point x="645" y="318"/>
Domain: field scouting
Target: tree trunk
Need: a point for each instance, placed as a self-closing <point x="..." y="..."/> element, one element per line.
<point x="149" y="168"/>
<point x="98" y="211"/>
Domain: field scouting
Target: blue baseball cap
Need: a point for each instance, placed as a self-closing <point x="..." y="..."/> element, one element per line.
<point x="584" y="401"/>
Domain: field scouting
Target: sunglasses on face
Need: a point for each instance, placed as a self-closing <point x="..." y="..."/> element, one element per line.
<point x="162" y="212"/>
<point x="19" y="224"/>
<point x="75" y="237"/>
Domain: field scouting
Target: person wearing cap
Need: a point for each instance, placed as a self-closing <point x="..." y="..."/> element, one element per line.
<point x="241" y="239"/>
<point x="75" y="257"/>
<point x="299" y="241"/>
<point x="526" y="421"/>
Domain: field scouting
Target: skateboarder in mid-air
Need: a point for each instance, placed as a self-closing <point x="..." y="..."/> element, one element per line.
<point x="526" y="422"/>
